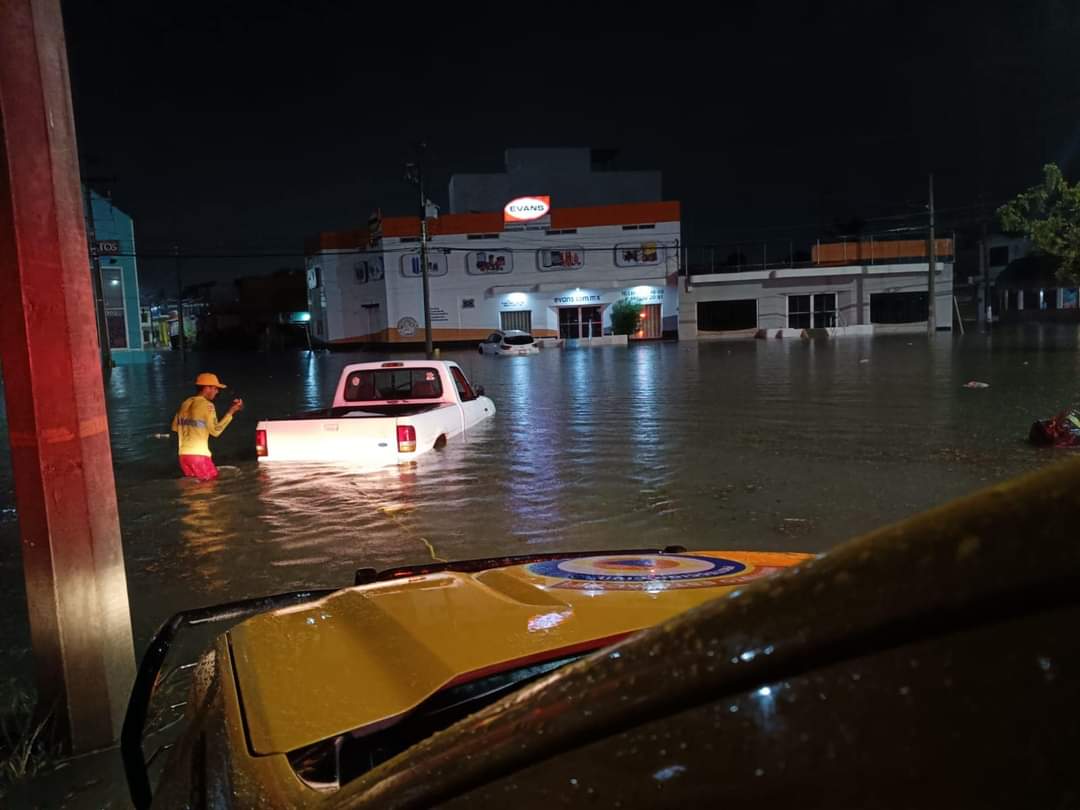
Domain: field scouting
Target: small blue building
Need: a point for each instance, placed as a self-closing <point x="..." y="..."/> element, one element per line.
<point x="114" y="233"/>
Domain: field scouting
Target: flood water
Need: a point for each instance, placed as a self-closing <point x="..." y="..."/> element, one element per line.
<point x="773" y="444"/>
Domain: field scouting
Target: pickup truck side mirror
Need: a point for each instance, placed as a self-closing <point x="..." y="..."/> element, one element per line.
<point x="479" y="390"/>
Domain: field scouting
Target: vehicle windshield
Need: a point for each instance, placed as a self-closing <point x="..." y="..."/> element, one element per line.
<point x="518" y="340"/>
<point x="339" y="760"/>
<point x="391" y="384"/>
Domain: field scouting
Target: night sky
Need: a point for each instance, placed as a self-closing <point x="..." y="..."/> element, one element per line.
<point x="240" y="128"/>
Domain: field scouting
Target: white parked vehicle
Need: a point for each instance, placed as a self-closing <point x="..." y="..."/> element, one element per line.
<point x="383" y="413"/>
<point x="510" y="342"/>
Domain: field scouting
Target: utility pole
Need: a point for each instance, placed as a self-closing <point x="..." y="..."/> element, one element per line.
<point x="931" y="287"/>
<point x="95" y="272"/>
<point x="414" y="172"/>
<point x="58" y="428"/>
<point x="179" y="301"/>
<point x="428" y="349"/>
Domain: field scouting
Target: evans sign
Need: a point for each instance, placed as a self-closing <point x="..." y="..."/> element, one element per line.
<point x="526" y="209"/>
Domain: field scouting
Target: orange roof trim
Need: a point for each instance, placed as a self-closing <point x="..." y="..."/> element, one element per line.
<point x="455" y="224"/>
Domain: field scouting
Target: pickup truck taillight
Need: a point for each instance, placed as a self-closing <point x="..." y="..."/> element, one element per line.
<point x="260" y="443"/>
<point x="406" y="439"/>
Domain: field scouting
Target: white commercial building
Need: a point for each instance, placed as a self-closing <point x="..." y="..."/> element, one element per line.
<point x="553" y="271"/>
<point x="846" y="289"/>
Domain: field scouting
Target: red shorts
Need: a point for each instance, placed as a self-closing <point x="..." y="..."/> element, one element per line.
<point x="201" y="467"/>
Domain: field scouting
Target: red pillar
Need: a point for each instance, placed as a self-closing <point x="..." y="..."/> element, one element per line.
<point x="66" y="497"/>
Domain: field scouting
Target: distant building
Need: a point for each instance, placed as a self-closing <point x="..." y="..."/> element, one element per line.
<point x="556" y="276"/>
<point x="1027" y="286"/>
<point x="257" y="312"/>
<point x="547" y="246"/>
<point x="846" y="288"/>
<point x="114" y="234"/>
<point x="572" y="178"/>
<point x="1021" y="285"/>
<point x="1005" y="249"/>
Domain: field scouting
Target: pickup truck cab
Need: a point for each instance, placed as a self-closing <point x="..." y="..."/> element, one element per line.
<point x="383" y="413"/>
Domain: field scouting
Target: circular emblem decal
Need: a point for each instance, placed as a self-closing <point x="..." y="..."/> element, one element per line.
<point x="638" y="568"/>
<point x="407" y="327"/>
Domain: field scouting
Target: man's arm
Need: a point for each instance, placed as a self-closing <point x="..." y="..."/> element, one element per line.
<point x="216" y="427"/>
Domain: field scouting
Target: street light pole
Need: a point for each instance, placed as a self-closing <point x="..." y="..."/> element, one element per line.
<point x="428" y="350"/>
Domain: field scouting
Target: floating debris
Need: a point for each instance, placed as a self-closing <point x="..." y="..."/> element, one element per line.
<point x="796" y="526"/>
<point x="976" y="384"/>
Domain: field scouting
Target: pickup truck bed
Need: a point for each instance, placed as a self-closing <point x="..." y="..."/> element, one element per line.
<point x="364" y="412"/>
<point x="382" y="414"/>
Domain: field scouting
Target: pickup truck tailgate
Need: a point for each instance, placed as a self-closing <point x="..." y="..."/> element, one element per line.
<point x="368" y="441"/>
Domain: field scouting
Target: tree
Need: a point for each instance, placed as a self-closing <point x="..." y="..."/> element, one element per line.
<point x="1049" y="215"/>
<point x="624" y="317"/>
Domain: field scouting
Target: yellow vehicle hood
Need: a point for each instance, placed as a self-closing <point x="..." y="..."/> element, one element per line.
<point x="365" y="656"/>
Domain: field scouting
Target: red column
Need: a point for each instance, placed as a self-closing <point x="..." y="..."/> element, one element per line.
<point x="66" y="497"/>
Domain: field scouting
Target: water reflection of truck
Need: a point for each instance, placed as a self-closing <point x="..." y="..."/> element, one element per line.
<point x="382" y="414"/>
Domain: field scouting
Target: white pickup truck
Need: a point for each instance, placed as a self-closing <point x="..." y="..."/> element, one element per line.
<point x="383" y="413"/>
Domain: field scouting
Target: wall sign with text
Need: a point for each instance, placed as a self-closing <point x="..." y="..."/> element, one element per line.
<point x="527" y="209"/>
<point x="636" y="254"/>
<point x="488" y="262"/>
<point x="411" y="268"/>
<point x="563" y="258"/>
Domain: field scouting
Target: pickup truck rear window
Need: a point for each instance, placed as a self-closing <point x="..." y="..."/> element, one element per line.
<point x="383" y="385"/>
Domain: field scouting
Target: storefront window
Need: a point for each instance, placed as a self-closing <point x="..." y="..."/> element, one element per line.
<point x="817" y="311"/>
<point x="580" y="322"/>
<point x="798" y="311"/>
<point x="824" y="310"/>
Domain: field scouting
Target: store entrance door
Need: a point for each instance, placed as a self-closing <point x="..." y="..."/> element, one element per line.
<point x="569" y="322"/>
<point x="591" y="323"/>
<point x="580" y="322"/>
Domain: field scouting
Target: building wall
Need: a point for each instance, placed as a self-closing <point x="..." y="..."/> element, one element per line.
<point x="346" y="297"/>
<point x="566" y="175"/>
<point x="112" y="224"/>
<point x="853" y="286"/>
<point x="376" y="294"/>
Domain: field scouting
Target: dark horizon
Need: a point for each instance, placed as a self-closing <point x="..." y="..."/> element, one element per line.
<point x="243" y="130"/>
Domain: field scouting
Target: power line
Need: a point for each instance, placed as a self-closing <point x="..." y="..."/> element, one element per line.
<point x="510" y="241"/>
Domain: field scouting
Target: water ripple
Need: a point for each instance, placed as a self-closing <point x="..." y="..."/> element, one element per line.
<point x="709" y="445"/>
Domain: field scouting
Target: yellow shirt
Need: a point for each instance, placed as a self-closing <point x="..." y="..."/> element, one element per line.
<point x="196" y="422"/>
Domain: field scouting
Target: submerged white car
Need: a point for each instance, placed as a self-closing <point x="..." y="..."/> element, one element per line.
<point x="511" y="342"/>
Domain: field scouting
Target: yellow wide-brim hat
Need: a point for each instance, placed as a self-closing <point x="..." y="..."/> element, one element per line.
<point x="209" y="379"/>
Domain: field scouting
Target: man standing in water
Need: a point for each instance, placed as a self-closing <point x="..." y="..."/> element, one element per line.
<point x="196" y="422"/>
